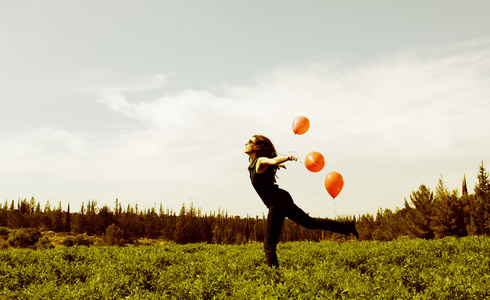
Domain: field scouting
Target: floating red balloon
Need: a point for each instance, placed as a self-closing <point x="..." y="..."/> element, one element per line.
<point x="334" y="183"/>
<point x="314" y="161"/>
<point x="301" y="125"/>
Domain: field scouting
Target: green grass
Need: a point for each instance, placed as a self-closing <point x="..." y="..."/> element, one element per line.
<point x="448" y="268"/>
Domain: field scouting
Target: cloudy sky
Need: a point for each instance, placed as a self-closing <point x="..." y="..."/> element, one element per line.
<point x="152" y="102"/>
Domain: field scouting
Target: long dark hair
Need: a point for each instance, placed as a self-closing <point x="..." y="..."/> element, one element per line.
<point x="267" y="149"/>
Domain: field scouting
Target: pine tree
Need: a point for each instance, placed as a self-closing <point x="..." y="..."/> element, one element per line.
<point x="152" y="224"/>
<point x="38" y="208"/>
<point x="32" y="205"/>
<point x="464" y="189"/>
<point x="58" y="222"/>
<point x="366" y="227"/>
<point x="104" y="219"/>
<point x="482" y="188"/>
<point x="391" y="225"/>
<point x="47" y="206"/>
<point x="442" y="214"/>
<point x="182" y="233"/>
<point x="419" y="213"/>
<point x="68" y="220"/>
<point x="481" y="206"/>
<point x="81" y="225"/>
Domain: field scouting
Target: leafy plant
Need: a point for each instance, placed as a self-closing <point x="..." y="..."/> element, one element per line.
<point x="78" y="240"/>
<point x="448" y="268"/>
<point x="24" y="237"/>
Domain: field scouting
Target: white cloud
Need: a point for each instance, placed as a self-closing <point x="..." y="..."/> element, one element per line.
<point x="398" y="121"/>
<point x="387" y="127"/>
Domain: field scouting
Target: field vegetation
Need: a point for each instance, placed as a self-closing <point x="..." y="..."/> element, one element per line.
<point x="448" y="268"/>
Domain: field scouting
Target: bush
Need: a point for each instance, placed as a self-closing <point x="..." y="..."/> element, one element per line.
<point x="79" y="240"/>
<point x="44" y="243"/>
<point x="4" y="231"/>
<point x="68" y="242"/>
<point x="3" y="244"/>
<point x="24" y="237"/>
<point x="113" y="236"/>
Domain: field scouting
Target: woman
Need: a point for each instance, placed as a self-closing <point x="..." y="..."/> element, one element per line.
<point x="264" y="163"/>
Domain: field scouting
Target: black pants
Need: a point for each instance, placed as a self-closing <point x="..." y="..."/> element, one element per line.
<point x="282" y="206"/>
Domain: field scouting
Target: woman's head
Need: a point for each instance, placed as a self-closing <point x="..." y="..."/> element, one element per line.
<point x="263" y="146"/>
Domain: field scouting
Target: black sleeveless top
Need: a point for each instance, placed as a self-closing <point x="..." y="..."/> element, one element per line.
<point x="263" y="183"/>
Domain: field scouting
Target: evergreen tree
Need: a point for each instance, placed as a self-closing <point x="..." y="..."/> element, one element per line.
<point x="47" y="206"/>
<point x="3" y="216"/>
<point x="482" y="188"/>
<point x="131" y="225"/>
<point x="183" y="229"/>
<point x="152" y="224"/>
<point x="91" y="215"/>
<point x="57" y="217"/>
<point x="419" y="213"/>
<point x="68" y="220"/>
<point x="464" y="189"/>
<point x="480" y="222"/>
<point x="104" y="219"/>
<point x="459" y="214"/>
<point x="442" y="214"/>
<point x="24" y="206"/>
<point x="391" y="225"/>
<point x="81" y="226"/>
<point x="32" y="205"/>
<point x="366" y="227"/>
<point x="169" y="219"/>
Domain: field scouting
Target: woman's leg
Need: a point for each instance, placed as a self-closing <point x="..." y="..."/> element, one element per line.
<point x="275" y="220"/>
<point x="297" y="215"/>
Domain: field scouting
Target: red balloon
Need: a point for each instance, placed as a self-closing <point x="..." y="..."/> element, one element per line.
<point x="334" y="184"/>
<point x="301" y="125"/>
<point x="314" y="161"/>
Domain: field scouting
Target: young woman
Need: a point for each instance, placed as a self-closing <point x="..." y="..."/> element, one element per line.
<point x="264" y="163"/>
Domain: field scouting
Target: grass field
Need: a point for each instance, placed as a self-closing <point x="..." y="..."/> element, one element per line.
<point x="449" y="268"/>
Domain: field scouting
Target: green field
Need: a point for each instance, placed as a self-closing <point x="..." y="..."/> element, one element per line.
<point x="449" y="268"/>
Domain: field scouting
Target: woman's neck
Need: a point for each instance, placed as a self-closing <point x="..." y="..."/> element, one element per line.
<point x="252" y="156"/>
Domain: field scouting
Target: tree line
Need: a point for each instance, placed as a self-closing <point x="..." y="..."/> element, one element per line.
<point x="434" y="214"/>
<point x="428" y="214"/>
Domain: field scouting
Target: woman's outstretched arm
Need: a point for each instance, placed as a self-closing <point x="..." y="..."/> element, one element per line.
<point x="264" y="162"/>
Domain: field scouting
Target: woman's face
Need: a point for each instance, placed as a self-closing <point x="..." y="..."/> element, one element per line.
<point x="250" y="146"/>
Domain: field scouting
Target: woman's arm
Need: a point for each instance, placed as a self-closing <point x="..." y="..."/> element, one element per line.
<point x="264" y="162"/>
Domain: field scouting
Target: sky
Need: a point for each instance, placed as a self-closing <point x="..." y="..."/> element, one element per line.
<point x="152" y="102"/>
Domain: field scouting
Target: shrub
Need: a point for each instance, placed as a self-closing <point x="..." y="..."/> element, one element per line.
<point x="113" y="236"/>
<point x="44" y="243"/>
<point x="4" y="231"/>
<point x="24" y="237"/>
<point x="79" y="240"/>
<point x="3" y="244"/>
<point x="82" y="240"/>
<point x="68" y="242"/>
